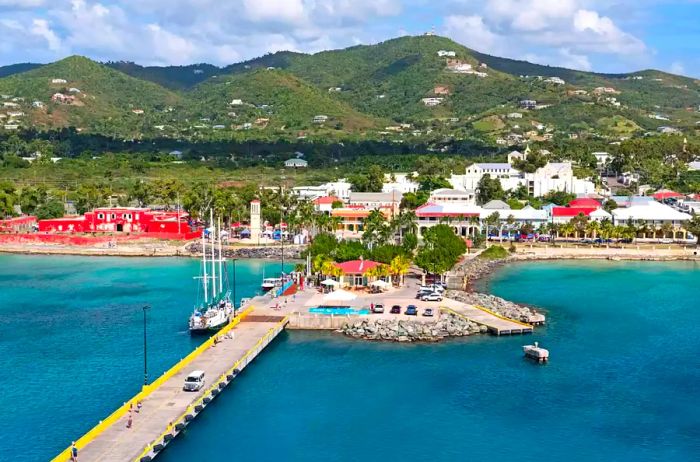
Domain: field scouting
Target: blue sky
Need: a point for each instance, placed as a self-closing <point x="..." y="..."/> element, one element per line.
<point x="605" y="36"/>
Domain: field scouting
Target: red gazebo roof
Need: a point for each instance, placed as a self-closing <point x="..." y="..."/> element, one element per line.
<point x="572" y="211"/>
<point x="357" y="266"/>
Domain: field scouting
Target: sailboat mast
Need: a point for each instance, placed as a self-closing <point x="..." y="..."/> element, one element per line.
<point x="221" y="260"/>
<point x="213" y="246"/>
<point x="205" y="282"/>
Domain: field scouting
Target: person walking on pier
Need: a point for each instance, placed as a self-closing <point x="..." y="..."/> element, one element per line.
<point x="73" y="452"/>
<point x="128" y="422"/>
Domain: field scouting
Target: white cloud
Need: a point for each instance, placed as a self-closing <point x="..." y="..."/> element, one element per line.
<point x="21" y="3"/>
<point x="474" y="33"/>
<point x="41" y="28"/>
<point x="677" y="68"/>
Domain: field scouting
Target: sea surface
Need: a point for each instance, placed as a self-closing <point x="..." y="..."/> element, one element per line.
<point x="71" y="339"/>
<point x="622" y="383"/>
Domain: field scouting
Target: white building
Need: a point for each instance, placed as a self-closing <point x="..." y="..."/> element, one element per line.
<point x="372" y="200"/>
<point x="653" y="214"/>
<point x="602" y="158"/>
<point x="452" y="196"/>
<point x="340" y="189"/>
<point x="694" y="166"/>
<point x="430" y="102"/>
<point x="402" y="182"/>
<point x="444" y="53"/>
<point x="296" y="163"/>
<point x="320" y="119"/>
<point x="554" y="176"/>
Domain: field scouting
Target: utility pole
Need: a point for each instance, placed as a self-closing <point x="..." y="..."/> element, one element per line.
<point x="145" y="347"/>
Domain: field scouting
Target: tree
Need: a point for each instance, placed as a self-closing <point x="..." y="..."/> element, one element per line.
<point x="559" y="197"/>
<point x="693" y="227"/>
<point x="666" y="229"/>
<point x="489" y="189"/>
<point x="579" y="222"/>
<point x="492" y="221"/>
<point x="375" y="229"/>
<point x="52" y="208"/>
<point x="441" y="249"/>
<point x="399" y="266"/>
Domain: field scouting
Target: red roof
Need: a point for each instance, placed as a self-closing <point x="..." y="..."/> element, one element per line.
<point x="357" y="266"/>
<point x="584" y="202"/>
<point x="326" y="200"/>
<point x="666" y="194"/>
<point x="572" y="211"/>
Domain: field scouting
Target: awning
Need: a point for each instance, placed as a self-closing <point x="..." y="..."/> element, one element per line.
<point x="339" y="295"/>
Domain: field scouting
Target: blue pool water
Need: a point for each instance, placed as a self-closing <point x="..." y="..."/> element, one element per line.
<point x="71" y="339"/>
<point x="621" y="385"/>
<point x="337" y="310"/>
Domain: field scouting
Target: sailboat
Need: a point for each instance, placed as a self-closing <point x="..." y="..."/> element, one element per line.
<point x="217" y="309"/>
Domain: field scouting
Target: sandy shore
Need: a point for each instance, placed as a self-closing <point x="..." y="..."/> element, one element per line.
<point x="627" y="252"/>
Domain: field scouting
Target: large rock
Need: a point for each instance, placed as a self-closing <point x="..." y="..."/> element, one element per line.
<point x="411" y="330"/>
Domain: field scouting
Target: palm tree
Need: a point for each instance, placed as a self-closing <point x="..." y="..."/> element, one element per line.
<point x="492" y="220"/>
<point x="592" y="228"/>
<point x="666" y="229"/>
<point x="399" y="266"/>
<point x="606" y="228"/>
<point x="375" y="229"/>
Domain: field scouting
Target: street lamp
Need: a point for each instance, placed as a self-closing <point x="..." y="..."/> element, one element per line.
<point x="145" y="347"/>
<point x="233" y="259"/>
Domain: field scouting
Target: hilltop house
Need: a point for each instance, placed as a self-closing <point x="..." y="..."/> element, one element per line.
<point x="236" y="102"/>
<point x="555" y="80"/>
<point x="296" y="163"/>
<point x="528" y="104"/>
<point x="459" y="67"/>
<point x="441" y="90"/>
<point x="58" y="81"/>
<point x="320" y="119"/>
<point x="63" y="99"/>
<point x="446" y="53"/>
<point x="430" y="102"/>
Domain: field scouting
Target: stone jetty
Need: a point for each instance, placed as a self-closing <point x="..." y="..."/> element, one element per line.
<point x="498" y="305"/>
<point x="402" y="330"/>
<point x="271" y="252"/>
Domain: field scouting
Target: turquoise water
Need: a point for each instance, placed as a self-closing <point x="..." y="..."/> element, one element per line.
<point x="621" y="385"/>
<point x="338" y="310"/>
<point x="71" y="339"/>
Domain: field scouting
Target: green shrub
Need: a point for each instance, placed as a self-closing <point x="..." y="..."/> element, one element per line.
<point x="495" y="252"/>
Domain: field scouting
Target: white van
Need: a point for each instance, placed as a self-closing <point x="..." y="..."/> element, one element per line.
<point x="194" y="381"/>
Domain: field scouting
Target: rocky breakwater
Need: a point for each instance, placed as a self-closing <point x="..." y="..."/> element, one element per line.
<point x="406" y="330"/>
<point x="476" y="268"/>
<point x="290" y="252"/>
<point x="498" y="305"/>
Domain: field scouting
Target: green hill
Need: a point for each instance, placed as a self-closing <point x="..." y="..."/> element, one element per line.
<point x="173" y="77"/>
<point x="277" y="100"/>
<point x="362" y="90"/>
<point x="13" y="69"/>
<point x="103" y="100"/>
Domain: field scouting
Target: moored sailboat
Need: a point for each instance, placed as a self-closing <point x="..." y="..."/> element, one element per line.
<point x="217" y="307"/>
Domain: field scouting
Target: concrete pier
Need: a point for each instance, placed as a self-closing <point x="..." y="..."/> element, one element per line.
<point x="166" y="408"/>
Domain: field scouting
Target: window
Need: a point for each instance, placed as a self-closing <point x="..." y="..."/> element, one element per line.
<point x="100" y="216"/>
<point x="114" y="215"/>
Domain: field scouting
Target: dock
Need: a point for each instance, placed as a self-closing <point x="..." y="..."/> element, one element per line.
<point x="166" y="408"/>
<point x="495" y="323"/>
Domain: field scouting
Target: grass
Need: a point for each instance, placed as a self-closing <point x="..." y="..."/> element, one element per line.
<point x="495" y="252"/>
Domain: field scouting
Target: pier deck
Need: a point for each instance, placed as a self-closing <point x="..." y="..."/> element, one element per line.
<point x="496" y="324"/>
<point x="163" y="408"/>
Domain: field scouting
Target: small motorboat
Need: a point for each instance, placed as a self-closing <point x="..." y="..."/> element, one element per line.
<point x="536" y="353"/>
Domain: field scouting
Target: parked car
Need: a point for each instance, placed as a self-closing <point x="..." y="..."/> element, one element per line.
<point x="378" y="308"/>
<point x="434" y="297"/>
<point x="194" y="381"/>
<point x="432" y="288"/>
<point x="411" y="310"/>
<point x="396" y="309"/>
<point x="428" y="312"/>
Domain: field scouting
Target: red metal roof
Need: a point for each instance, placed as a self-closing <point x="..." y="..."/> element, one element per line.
<point x="326" y="200"/>
<point x="357" y="266"/>
<point x="666" y="194"/>
<point x="572" y="211"/>
<point x="585" y="202"/>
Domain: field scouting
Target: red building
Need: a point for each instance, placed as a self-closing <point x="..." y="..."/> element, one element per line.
<point x="18" y="224"/>
<point x="120" y="220"/>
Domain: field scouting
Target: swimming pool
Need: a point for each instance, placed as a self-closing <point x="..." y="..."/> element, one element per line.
<point x="337" y="310"/>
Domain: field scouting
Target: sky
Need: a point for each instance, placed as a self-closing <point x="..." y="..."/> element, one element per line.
<point x="597" y="35"/>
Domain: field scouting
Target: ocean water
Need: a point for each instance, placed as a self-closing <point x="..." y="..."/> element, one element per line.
<point x="71" y="339"/>
<point x="622" y="383"/>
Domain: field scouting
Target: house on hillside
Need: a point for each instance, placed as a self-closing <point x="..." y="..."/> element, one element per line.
<point x="441" y="90"/>
<point x="459" y="67"/>
<point x="73" y="90"/>
<point x="137" y="111"/>
<point x="555" y="80"/>
<point x="236" y="102"/>
<point x="446" y="53"/>
<point x="62" y="99"/>
<point x="296" y="163"/>
<point x="38" y="104"/>
<point x="58" y="81"/>
<point x="430" y="102"/>
<point x="320" y="119"/>
<point x="528" y="104"/>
